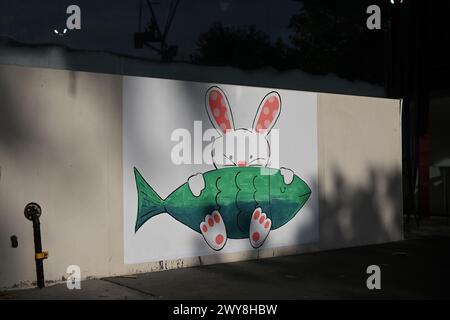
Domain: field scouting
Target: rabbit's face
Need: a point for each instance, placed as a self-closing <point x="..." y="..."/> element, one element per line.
<point x="241" y="147"/>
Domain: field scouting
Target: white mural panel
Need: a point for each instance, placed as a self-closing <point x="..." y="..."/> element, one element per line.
<point x="213" y="168"/>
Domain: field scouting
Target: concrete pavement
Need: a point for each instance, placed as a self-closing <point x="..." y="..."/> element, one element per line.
<point x="412" y="269"/>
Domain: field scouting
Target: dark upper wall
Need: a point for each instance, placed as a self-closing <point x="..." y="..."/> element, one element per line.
<point x="319" y="45"/>
<point x="58" y="57"/>
<point x="308" y="45"/>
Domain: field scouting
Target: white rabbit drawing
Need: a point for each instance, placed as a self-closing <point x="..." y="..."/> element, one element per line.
<point x="240" y="147"/>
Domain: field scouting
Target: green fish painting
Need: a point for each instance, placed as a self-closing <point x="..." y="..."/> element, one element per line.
<point x="242" y="197"/>
<point x="238" y="194"/>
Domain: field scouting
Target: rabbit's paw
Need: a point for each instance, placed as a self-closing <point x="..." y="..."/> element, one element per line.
<point x="259" y="228"/>
<point x="214" y="231"/>
<point x="288" y="175"/>
<point x="196" y="184"/>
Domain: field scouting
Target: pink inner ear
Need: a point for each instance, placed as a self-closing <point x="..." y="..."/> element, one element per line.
<point x="219" y="110"/>
<point x="268" y="114"/>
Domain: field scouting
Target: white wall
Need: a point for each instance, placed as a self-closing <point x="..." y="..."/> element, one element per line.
<point x="61" y="146"/>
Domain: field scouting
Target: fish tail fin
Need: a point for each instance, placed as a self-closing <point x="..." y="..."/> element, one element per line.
<point x="150" y="203"/>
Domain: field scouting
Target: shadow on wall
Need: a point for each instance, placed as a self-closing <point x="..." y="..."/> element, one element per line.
<point x="56" y="129"/>
<point x="17" y="133"/>
<point x="359" y="213"/>
<point x="13" y="131"/>
<point x="16" y="125"/>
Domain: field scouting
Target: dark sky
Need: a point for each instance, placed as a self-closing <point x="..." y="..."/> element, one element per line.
<point x="109" y="24"/>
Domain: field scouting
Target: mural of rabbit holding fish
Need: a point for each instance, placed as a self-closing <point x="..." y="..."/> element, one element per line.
<point x="242" y="197"/>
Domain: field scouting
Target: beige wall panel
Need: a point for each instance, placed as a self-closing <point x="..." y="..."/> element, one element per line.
<point x="359" y="170"/>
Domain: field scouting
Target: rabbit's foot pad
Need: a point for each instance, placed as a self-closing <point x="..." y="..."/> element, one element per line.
<point x="259" y="228"/>
<point x="214" y="231"/>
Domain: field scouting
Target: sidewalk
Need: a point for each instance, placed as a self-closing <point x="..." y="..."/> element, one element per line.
<point x="412" y="269"/>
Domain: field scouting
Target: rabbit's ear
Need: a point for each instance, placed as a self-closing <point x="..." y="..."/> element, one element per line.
<point x="219" y="110"/>
<point x="268" y="111"/>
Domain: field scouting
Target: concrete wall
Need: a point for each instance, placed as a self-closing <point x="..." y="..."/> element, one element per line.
<point x="359" y="170"/>
<point x="60" y="57"/>
<point x="61" y="146"/>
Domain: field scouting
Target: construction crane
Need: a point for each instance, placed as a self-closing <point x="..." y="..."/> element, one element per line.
<point x="152" y="36"/>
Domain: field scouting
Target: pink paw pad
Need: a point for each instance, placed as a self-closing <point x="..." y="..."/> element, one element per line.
<point x="259" y="228"/>
<point x="214" y="231"/>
